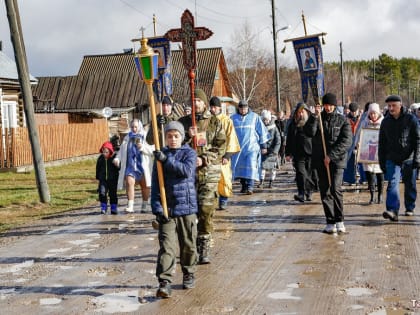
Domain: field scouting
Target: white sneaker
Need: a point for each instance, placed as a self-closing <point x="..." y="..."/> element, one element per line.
<point x="340" y="227"/>
<point x="330" y="229"/>
<point x="129" y="210"/>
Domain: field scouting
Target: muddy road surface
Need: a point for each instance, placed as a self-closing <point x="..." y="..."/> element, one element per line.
<point x="269" y="257"/>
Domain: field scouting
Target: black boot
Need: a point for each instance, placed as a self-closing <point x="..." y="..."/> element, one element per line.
<point x="270" y="184"/>
<point x="203" y="248"/>
<point x="380" y="185"/>
<point x="372" y="194"/>
<point x="380" y="197"/>
<point x="260" y="184"/>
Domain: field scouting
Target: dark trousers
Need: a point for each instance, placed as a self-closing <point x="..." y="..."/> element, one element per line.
<point x="303" y="175"/>
<point x="179" y="232"/>
<point x="371" y="181"/>
<point x="331" y="195"/>
<point x="108" y="187"/>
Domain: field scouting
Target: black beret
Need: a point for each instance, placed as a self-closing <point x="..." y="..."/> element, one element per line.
<point x="215" y="101"/>
<point x="393" y="98"/>
<point x="330" y="99"/>
<point x="353" y="107"/>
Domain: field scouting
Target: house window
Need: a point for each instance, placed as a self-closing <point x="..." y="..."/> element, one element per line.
<point x="216" y="77"/>
<point x="8" y="115"/>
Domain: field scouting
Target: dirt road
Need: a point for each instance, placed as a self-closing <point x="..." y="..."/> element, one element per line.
<point x="269" y="257"/>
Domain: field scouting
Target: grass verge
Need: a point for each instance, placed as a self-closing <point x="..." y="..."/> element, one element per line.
<point x="71" y="186"/>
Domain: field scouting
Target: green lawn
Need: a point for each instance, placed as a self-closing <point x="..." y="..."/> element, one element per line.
<point x="71" y="186"/>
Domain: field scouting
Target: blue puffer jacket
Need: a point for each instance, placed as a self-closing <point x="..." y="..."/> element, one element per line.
<point x="179" y="176"/>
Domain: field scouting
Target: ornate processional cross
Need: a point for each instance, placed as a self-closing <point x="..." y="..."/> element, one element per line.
<point x="188" y="35"/>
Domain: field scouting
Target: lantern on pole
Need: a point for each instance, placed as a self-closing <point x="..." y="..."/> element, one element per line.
<point x="147" y="64"/>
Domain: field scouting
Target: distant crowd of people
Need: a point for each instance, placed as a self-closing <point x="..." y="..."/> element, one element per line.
<point x="200" y="158"/>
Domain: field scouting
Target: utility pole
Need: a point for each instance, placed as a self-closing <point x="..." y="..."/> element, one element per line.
<point x="374" y="81"/>
<point x="342" y="73"/>
<point x="276" y="69"/>
<point x="23" y="73"/>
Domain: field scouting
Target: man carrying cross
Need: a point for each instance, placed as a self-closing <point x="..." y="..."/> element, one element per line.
<point x="209" y="138"/>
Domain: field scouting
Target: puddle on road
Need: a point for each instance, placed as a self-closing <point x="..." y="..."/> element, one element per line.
<point x="21" y="280"/>
<point x="80" y="242"/>
<point x="59" y="250"/>
<point x="286" y="294"/>
<point x="65" y="267"/>
<point x="49" y="301"/>
<point x="78" y="255"/>
<point x="117" y="302"/>
<point x="17" y="267"/>
<point x="356" y="307"/>
<point x="358" y="291"/>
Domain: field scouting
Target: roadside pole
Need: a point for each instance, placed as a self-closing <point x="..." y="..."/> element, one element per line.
<point x="28" y="105"/>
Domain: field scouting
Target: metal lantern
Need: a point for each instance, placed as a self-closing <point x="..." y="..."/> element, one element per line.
<point x="147" y="62"/>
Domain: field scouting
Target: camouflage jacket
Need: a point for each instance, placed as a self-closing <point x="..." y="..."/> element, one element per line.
<point x="213" y="148"/>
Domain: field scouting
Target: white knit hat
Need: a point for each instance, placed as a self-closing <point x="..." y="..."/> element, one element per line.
<point x="265" y="114"/>
<point x="414" y="106"/>
<point x="374" y="107"/>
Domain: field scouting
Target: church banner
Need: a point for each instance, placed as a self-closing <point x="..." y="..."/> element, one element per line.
<point x="309" y="57"/>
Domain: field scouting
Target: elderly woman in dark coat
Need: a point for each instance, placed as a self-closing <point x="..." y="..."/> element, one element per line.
<point x="270" y="158"/>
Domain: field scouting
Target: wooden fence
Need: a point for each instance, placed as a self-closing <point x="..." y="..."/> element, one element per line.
<point x="60" y="141"/>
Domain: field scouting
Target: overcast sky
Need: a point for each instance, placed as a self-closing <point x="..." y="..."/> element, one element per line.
<point x="58" y="33"/>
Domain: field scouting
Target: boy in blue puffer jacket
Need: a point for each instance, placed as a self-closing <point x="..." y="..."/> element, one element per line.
<point x="179" y="167"/>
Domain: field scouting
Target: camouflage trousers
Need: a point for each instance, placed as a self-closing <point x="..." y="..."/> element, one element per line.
<point x="207" y="202"/>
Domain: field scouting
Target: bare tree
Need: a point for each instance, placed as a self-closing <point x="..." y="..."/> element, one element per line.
<point x="247" y="60"/>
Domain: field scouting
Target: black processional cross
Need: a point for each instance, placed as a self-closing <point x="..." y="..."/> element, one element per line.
<point x="189" y="35"/>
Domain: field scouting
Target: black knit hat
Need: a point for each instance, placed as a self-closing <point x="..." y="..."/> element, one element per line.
<point x="393" y="98"/>
<point x="330" y="99"/>
<point x="166" y="100"/>
<point x="353" y="107"/>
<point x="215" y="101"/>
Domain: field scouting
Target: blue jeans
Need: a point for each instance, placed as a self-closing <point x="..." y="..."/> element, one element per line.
<point x="393" y="176"/>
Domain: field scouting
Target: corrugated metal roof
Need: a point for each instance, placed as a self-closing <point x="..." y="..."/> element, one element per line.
<point x="113" y="81"/>
<point x="8" y="70"/>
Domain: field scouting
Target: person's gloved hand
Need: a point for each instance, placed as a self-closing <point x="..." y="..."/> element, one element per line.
<point x="160" y="156"/>
<point x="161" y="120"/>
<point x="161" y="218"/>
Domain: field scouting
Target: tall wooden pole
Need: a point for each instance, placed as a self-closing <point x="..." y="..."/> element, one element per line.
<point x="157" y="147"/>
<point x="324" y="147"/>
<point x="342" y="74"/>
<point x="28" y="105"/>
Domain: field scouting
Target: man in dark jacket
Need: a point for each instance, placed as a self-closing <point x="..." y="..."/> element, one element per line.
<point x="398" y="151"/>
<point x="163" y="119"/>
<point x="299" y="147"/>
<point x="332" y="138"/>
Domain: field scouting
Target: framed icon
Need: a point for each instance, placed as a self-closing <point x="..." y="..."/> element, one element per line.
<point x="368" y="146"/>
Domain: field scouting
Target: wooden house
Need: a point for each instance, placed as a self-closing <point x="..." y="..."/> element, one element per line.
<point x="112" y="81"/>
